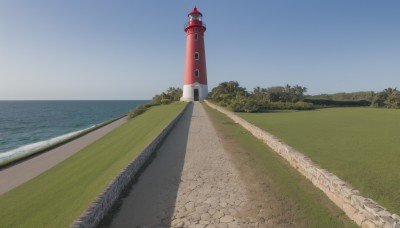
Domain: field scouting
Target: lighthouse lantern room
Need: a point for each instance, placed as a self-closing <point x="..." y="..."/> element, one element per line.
<point x="195" y="81"/>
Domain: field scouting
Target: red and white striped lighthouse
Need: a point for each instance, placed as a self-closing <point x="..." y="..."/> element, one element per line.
<point x="195" y="82"/>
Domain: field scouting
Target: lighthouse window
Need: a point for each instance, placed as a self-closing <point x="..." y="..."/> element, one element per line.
<point x="196" y="36"/>
<point x="196" y="73"/>
<point x="196" y="56"/>
<point x="195" y="17"/>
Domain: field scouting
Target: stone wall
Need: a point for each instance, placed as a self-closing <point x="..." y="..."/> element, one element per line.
<point x="365" y="212"/>
<point x="96" y="211"/>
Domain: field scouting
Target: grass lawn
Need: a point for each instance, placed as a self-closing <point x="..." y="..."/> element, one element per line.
<point x="57" y="197"/>
<point x="360" y="145"/>
<point x="310" y="206"/>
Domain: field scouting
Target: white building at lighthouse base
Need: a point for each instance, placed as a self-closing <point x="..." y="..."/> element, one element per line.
<point x="194" y="92"/>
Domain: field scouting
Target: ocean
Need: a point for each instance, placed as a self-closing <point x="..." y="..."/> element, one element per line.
<point x="29" y="125"/>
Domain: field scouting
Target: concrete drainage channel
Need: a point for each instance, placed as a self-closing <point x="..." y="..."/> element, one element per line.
<point x="365" y="212"/>
<point x="99" y="208"/>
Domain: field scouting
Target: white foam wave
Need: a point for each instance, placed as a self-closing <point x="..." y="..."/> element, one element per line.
<point x="37" y="145"/>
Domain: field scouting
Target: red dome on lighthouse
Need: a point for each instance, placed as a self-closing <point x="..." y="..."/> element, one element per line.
<point x="195" y="11"/>
<point x="195" y="19"/>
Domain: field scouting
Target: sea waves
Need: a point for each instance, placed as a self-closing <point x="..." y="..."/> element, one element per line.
<point x="20" y="151"/>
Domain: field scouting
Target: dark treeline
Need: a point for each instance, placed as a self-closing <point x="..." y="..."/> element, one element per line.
<point x="388" y="98"/>
<point x="321" y="103"/>
<point x="356" y="96"/>
<point x="363" y="98"/>
<point x="238" y="99"/>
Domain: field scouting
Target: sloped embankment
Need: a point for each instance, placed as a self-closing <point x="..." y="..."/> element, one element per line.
<point x="60" y="195"/>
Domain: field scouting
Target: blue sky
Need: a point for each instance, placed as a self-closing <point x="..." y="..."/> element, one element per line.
<point x="134" y="49"/>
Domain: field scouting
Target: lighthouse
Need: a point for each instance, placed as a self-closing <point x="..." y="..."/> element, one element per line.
<point x="195" y="79"/>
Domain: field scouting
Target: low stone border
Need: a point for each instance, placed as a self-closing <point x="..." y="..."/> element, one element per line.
<point x="96" y="211"/>
<point x="365" y="212"/>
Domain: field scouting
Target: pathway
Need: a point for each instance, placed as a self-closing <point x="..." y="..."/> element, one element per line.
<point x="191" y="183"/>
<point x="20" y="173"/>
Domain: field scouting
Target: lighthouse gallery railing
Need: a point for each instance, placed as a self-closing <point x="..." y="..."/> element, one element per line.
<point x="188" y="23"/>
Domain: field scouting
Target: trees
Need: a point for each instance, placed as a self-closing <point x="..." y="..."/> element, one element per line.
<point x="226" y="91"/>
<point x="379" y="100"/>
<point x="389" y="98"/>
<point x="393" y="100"/>
<point x="286" y="94"/>
<point x="354" y="96"/>
<point x="244" y="104"/>
<point x="298" y="93"/>
<point x="260" y="94"/>
<point x="232" y="95"/>
<point x="276" y="94"/>
<point x="172" y="94"/>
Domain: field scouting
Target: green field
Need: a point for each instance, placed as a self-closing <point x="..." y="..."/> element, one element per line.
<point x="301" y="198"/>
<point x="57" y="197"/>
<point x="360" y="145"/>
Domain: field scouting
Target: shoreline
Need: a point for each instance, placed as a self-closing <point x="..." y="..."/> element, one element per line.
<point x="19" y="171"/>
<point x="28" y="155"/>
<point x="31" y="125"/>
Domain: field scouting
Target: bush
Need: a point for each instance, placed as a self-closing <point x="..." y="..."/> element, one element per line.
<point x="156" y="100"/>
<point x="301" y="105"/>
<point x="244" y="104"/>
<point x="149" y="105"/>
<point x="236" y="107"/>
<point x="223" y="104"/>
<point x="251" y="106"/>
<point x="165" y="101"/>
<point x="334" y="103"/>
<point x="172" y="94"/>
<point x="287" y="106"/>
<point x="137" y="111"/>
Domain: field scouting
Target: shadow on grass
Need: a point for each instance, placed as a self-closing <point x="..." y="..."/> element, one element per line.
<point x="149" y="200"/>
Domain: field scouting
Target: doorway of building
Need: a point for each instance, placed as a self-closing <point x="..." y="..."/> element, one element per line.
<point x="196" y="94"/>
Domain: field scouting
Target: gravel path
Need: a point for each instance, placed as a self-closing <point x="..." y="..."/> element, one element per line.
<point x="210" y="193"/>
<point x="20" y="173"/>
<point x="191" y="183"/>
